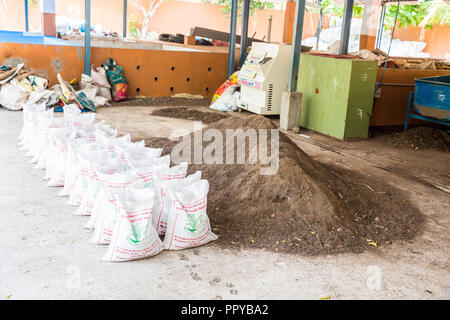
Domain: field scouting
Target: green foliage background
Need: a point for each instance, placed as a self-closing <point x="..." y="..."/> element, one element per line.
<point x="407" y="15"/>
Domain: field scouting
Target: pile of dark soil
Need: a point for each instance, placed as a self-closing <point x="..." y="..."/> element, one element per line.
<point x="305" y="208"/>
<point x="422" y="138"/>
<point x="164" y="101"/>
<point x="190" y="114"/>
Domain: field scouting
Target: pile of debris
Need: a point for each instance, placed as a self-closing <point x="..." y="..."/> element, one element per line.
<point x="20" y="85"/>
<point x="67" y="27"/>
<point x="130" y="193"/>
<point x="402" y="63"/>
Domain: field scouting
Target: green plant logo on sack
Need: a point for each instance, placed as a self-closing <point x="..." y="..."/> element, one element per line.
<point x="193" y="222"/>
<point x="147" y="184"/>
<point x="135" y="236"/>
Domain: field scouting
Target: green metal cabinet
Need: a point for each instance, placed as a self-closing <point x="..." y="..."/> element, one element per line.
<point x="337" y="95"/>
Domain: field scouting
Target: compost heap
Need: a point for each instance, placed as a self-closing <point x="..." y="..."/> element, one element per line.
<point x="189" y="114"/>
<point x="305" y="208"/>
<point x="422" y="138"/>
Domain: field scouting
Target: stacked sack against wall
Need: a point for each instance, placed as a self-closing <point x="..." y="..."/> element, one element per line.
<point x="136" y="203"/>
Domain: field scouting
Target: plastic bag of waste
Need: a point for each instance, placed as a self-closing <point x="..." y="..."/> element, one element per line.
<point x="228" y="101"/>
<point x="100" y="79"/>
<point x="134" y="236"/>
<point x="232" y="80"/>
<point x="13" y="97"/>
<point x="116" y="79"/>
<point x="188" y="223"/>
<point x="160" y="216"/>
<point x="38" y="83"/>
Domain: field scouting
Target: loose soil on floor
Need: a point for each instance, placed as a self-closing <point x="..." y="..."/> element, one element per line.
<point x="419" y="138"/>
<point x="190" y="114"/>
<point x="305" y="208"/>
<point x="164" y="101"/>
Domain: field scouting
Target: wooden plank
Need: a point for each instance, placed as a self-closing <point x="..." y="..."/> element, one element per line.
<point x="218" y="35"/>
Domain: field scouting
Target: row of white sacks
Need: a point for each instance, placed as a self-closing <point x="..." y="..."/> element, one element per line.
<point x="130" y="192"/>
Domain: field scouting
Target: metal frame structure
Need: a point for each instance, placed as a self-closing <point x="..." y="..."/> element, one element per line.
<point x="232" y="43"/>
<point x="125" y="7"/>
<point x="380" y="26"/>
<point x="319" y="24"/>
<point x="26" y="16"/>
<point x="87" y="38"/>
<point x="244" y="31"/>
<point x="296" y="44"/>
<point x="346" y="26"/>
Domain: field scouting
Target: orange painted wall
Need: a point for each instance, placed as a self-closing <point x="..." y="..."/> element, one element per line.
<point x="437" y="39"/>
<point x="12" y="16"/>
<point x="150" y="71"/>
<point x="178" y="17"/>
<point x="171" y="17"/>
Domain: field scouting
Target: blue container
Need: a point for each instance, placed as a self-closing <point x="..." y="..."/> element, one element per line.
<point x="433" y="92"/>
<point x="431" y="96"/>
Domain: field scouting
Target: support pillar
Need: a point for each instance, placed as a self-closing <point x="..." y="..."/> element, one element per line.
<point x="87" y="37"/>
<point x="291" y="101"/>
<point x="319" y="25"/>
<point x="26" y="16"/>
<point x="48" y="17"/>
<point x="232" y="43"/>
<point x="370" y="20"/>
<point x="381" y="26"/>
<point x="346" y="24"/>
<point x="244" y="31"/>
<point x="288" y="26"/>
<point x="125" y="6"/>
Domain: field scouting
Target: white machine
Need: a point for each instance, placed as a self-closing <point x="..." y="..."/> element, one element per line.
<point x="263" y="77"/>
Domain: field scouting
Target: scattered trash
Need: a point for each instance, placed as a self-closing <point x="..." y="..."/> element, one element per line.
<point x="228" y="100"/>
<point x="187" y="96"/>
<point x="372" y="243"/>
<point x="116" y="79"/>
<point x="325" y="298"/>
<point x="227" y="96"/>
<point x="20" y="85"/>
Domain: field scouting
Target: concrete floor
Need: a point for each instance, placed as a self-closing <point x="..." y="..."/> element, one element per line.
<point x="45" y="253"/>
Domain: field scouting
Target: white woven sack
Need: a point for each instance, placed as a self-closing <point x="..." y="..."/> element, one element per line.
<point x="188" y="223"/>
